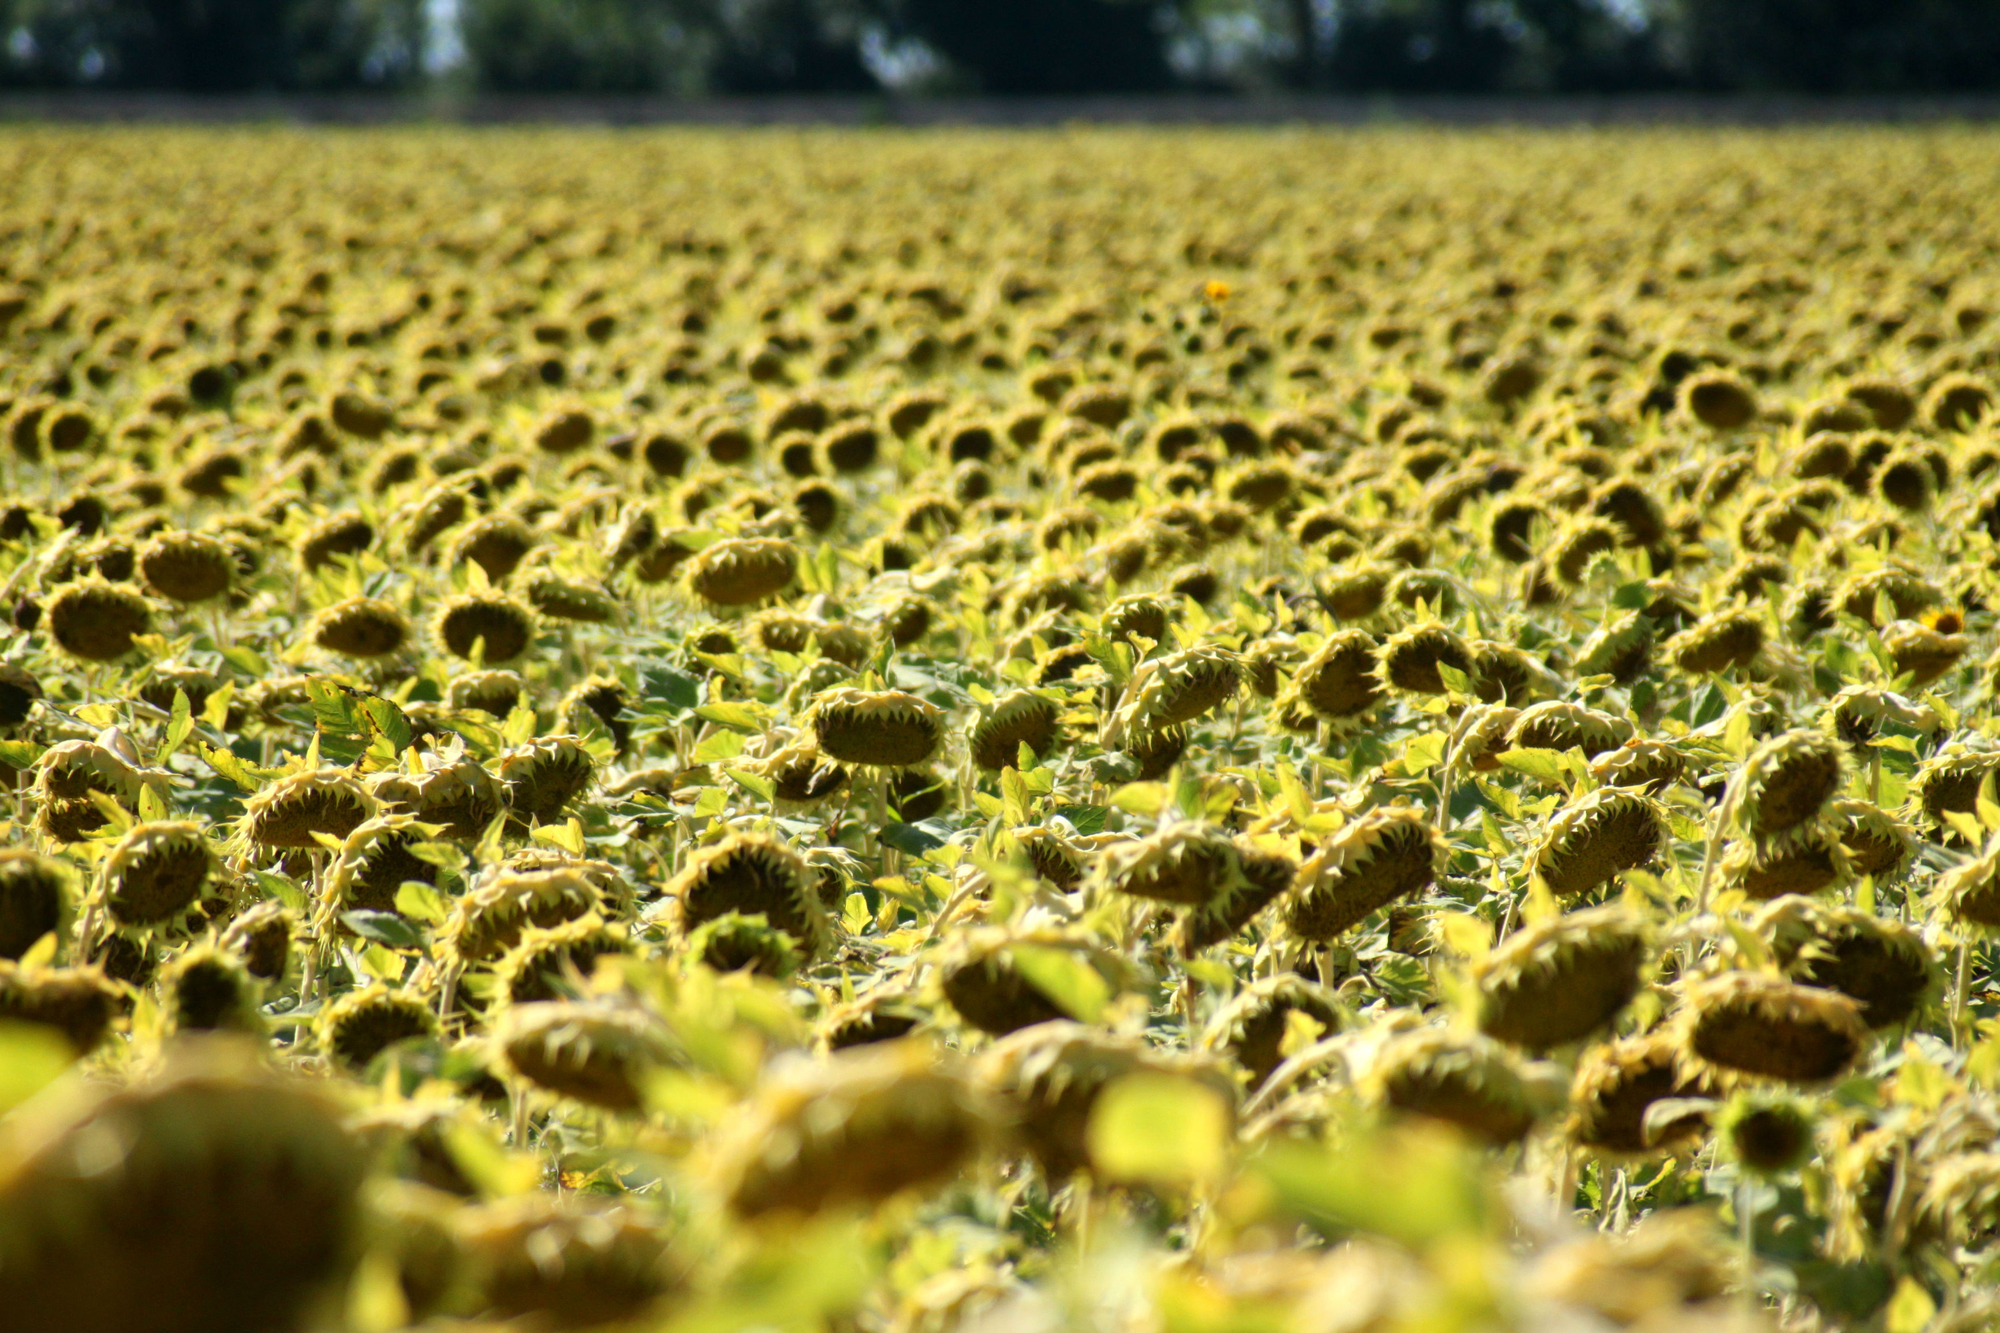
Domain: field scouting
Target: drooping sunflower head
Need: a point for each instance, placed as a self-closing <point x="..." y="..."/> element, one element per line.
<point x="876" y="728"/>
<point x="1016" y="718"/>
<point x="1786" y="782"/>
<point x="492" y="625"/>
<point x="37" y="897"/>
<point x="1559" y="980"/>
<point x="187" y="567"/>
<point x="1735" y="1026"/>
<point x="593" y="1052"/>
<point x="1597" y="837"/>
<point x="156" y="873"/>
<point x="860" y="1127"/>
<point x="1380" y="857"/>
<point x="742" y="571"/>
<point x="361" y="627"/>
<point x="364" y="1023"/>
<point x="1881" y="964"/>
<point x="544" y="776"/>
<point x="1408" y="660"/>
<point x="1462" y="1079"/>
<point x="287" y="813"/>
<point x="96" y="621"/>
<point x="1191" y="864"/>
<point x="752" y="876"/>
<point x="208" y="989"/>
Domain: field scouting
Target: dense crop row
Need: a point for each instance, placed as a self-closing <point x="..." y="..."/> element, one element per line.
<point x="1094" y="731"/>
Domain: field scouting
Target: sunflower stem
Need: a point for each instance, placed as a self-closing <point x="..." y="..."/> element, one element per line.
<point x="1958" y="990"/>
<point x="1746" y="1231"/>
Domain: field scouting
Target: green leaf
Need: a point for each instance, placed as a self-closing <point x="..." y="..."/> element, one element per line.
<point x="1014" y="797"/>
<point x="1069" y="981"/>
<point x="1413" y="1184"/>
<point x="1160" y="1129"/>
<point x="1541" y="765"/>
<point x="1085" y="819"/>
<point x="32" y="1056"/>
<point x="1712" y="705"/>
<point x="1910" y="1310"/>
<point x="20" y="754"/>
<point x="1632" y="597"/>
<point x="911" y="839"/>
<point x="384" y="928"/>
<point x="754" y="783"/>
<point x="669" y="684"/>
<point x="389" y="722"/>
<point x="247" y="661"/>
<point x="719" y="746"/>
<point x="736" y="716"/>
<point x="1454" y="680"/>
<point x="178" y="727"/>
<point x="333" y="710"/>
<point x="286" y="891"/>
<point x="1141" y="798"/>
<point x="567" y="835"/>
<point x="420" y="902"/>
<point x="1424" y="752"/>
<point x="519" y="728"/>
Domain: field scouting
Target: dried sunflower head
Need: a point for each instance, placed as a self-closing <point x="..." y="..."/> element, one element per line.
<point x="156" y="873"/>
<point x="37" y="898"/>
<point x="858" y="1128"/>
<point x="96" y="621"/>
<point x="1881" y="964"/>
<point x="1465" y="1080"/>
<point x="488" y="921"/>
<point x="1049" y="1078"/>
<point x="1786" y="782"/>
<point x="742" y="571"/>
<point x="1738" y="1025"/>
<point x="1560" y="980"/>
<point x="565" y="1262"/>
<point x="222" y="1168"/>
<point x="1615" y="1088"/>
<point x="594" y="1052"/>
<point x="1384" y="855"/>
<point x="208" y="989"/>
<point x="751" y="876"/>
<point x="1597" y="837"/>
<point x="491" y="624"/>
<point x="1253" y="1025"/>
<point x="287" y="813"/>
<point x="1016" y="718"/>
<point x="544" y="776"/>
<point x="361" y="627"/>
<point x="363" y="1023"/>
<point x="876" y="728"/>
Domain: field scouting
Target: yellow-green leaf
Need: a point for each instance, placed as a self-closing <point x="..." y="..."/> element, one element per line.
<point x="1160" y="1129"/>
<point x="1077" y="988"/>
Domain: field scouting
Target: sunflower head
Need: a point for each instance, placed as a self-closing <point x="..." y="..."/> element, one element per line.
<point x="291" y="810"/>
<point x="751" y="876"/>
<point x="364" y="1023"/>
<point x="1737" y="1026"/>
<point x="1559" y="980"/>
<point x="156" y="873"/>
<point x="876" y="728"/>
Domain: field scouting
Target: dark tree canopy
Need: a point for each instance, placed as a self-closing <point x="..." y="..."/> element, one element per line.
<point x="1045" y="46"/>
<point x="1006" y="47"/>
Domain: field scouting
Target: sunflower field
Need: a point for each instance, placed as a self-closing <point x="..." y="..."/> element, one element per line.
<point x="1235" y="732"/>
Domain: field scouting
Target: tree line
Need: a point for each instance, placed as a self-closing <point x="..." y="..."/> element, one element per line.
<point x="1005" y="47"/>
